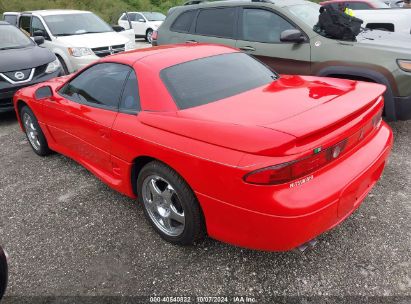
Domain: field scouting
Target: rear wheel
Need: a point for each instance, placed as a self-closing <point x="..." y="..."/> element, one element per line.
<point x="33" y="132"/>
<point x="170" y="205"/>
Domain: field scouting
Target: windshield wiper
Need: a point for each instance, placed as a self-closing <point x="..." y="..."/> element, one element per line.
<point x="11" y="48"/>
<point x="64" y="34"/>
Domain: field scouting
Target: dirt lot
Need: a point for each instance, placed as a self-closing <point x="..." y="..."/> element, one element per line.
<point x="69" y="235"/>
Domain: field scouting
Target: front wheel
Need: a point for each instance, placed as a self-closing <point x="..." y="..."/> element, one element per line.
<point x="33" y="132"/>
<point x="170" y="205"/>
<point x="63" y="66"/>
<point x="149" y="36"/>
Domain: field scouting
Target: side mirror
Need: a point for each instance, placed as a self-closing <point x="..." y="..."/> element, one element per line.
<point x="39" y="33"/>
<point x="118" y="28"/>
<point x="294" y="35"/>
<point x="39" y="40"/>
<point x="141" y="20"/>
<point x="43" y="92"/>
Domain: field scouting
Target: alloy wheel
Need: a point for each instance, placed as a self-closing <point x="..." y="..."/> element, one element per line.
<point x="31" y="131"/>
<point x="163" y="205"/>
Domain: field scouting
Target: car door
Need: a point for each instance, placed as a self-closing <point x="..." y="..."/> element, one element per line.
<point x="139" y="24"/>
<point x="215" y="25"/>
<point x="83" y="112"/>
<point x="259" y="35"/>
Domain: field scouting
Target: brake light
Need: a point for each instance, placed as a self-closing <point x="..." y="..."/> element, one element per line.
<point x="287" y="172"/>
<point x="154" y="36"/>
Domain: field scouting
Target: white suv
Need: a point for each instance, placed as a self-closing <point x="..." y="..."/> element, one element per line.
<point x="78" y="38"/>
<point x="143" y="23"/>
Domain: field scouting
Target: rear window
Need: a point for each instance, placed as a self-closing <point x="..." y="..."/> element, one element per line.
<point x="183" y="22"/>
<point x="206" y="80"/>
<point x="12" y="19"/>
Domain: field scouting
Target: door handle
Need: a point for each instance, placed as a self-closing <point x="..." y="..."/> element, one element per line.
<point x="247" y="49"/>
<point x="191" y="41"/>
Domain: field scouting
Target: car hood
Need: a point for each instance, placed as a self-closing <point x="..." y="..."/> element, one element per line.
<point x="271" y="119"/>
<point x="94" y="40"/>
<point x="26" y="58"/>
<point x="396" y="42"/>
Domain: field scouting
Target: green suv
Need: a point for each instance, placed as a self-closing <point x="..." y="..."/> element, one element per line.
<point x="281" y="34"/>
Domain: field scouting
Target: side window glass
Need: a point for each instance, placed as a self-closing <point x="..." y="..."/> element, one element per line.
<point x="358" y="6"/>
<point x="130" y="101"/>
<point x="138" y="17"/>
<point x="100" y="86"/>
<point x="12" y="19"/>
<point x="25" y="24"/>
<point x="263" y="26"/>
<point x="183" y="23"/>
<point x="218" y="22"/>
<point x="132" y="16"/>
<point x="37" y="26"/>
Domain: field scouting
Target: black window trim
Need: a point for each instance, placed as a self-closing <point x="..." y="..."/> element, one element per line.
<point x="130" y="112"/>
<point x="240" y="24"/>
<point x="235" y="25"/>
<point x="91" y="104"/>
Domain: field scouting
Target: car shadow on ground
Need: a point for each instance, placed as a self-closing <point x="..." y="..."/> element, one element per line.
<point x="7" y="118"/>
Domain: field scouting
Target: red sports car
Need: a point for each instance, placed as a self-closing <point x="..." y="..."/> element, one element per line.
<point x="211" y="141"/>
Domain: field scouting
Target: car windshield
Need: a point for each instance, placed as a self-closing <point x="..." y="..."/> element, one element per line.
<point x="379" y="4"/>
<point x="150" y="16"/>
<point x="308" y="12"/>
<point x="76" y="24"/>
<point x="206" y="80"/>
<point x="12" y="38"/>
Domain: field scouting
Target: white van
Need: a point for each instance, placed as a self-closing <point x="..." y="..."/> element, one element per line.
<point x="78" y="38"/>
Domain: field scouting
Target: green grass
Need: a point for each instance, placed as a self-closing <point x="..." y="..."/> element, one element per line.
<point x="109" y="10"/>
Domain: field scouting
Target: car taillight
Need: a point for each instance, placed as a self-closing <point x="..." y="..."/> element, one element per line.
<point x="287" y="172"/>
<point x="155" y="35"/>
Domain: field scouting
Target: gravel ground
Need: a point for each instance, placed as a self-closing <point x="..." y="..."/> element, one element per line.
<point x="70" y="235"/>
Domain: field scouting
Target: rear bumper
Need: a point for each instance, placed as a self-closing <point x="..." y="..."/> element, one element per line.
<point x="403" y="107"/>
<point x="353" y="179"/>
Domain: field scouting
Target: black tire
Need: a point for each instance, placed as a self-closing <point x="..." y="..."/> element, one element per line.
<point x="63" y="66"/>
<point x="149" y="34"/>
<point x="194" y="227"/>
<point x="42" y="149"/>
<point x="3" y="273"/>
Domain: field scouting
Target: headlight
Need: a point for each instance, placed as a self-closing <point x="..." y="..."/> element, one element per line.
<point x="53" y="66"/>
<point x="405" y="65"/>
<point x="80" y="51"/>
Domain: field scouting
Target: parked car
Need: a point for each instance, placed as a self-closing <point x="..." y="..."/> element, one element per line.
<point x="281" y="34"/>
<point x="358" y="4"/>
<point x="78" y="38"/>
<point x="235" y="151"/>
<point x="3" y="272"/>
<point x="22" y="63"/>
<point x="394" y="3"/>
<point x="392" y="20"/>
<point x="143" y="23"/>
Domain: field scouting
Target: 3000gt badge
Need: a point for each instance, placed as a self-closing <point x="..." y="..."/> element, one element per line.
<point x="302" y="181"/>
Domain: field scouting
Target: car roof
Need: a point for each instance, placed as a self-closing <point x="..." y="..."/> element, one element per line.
<point x="159" y="58"/>
<point x="56" y="12"/>
<point x="279" y="3"/>
<point x="4" y="23"/>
